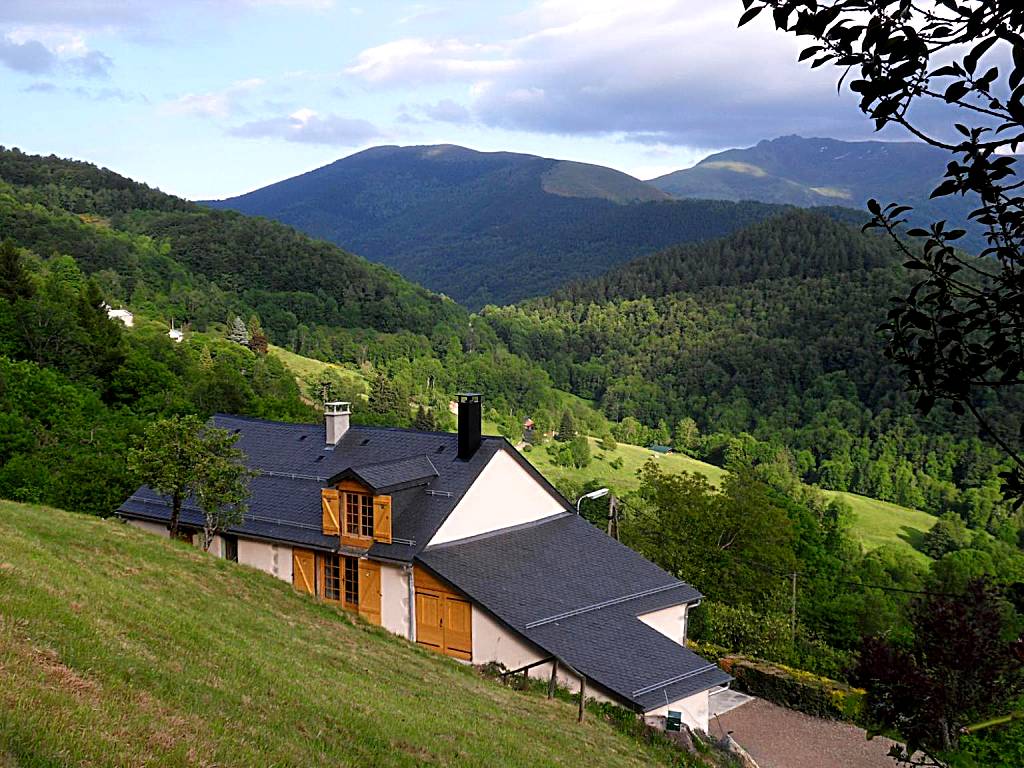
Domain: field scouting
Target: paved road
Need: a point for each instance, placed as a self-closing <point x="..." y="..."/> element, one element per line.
<point x="781" y="738"/>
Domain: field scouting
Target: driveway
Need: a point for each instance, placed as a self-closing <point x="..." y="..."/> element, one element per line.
<point x="781" y="738"/>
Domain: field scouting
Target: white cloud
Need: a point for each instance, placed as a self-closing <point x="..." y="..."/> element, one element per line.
<point x="413" y="60"/>
<point x="307" y="126"/>
<point x="225" y="103"/>
<point x="37" y="51"/>
<point x="660" y="71"/>
<point x="31" y="56"/>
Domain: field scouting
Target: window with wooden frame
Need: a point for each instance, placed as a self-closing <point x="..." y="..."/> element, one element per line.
<point x="338" y="579"/>
<point x="332" y="575"/>
<point x="352" y="511"/>
<point x="359" y="514"/>
<point x="352" y="581"/>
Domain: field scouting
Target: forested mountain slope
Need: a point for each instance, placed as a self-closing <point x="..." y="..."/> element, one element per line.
<point x="487" y="227"/>
<point x="231" y="261"/>
<point x="770" y="331"/>
<point x="818" y="171"/>
<point x="77" y="388"/>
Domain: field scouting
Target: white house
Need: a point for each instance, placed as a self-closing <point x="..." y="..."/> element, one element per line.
<point x="123" y="315"/>
<point x="457" y="543"/>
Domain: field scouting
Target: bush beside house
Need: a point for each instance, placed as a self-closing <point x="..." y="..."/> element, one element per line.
<point x="795" y="689"/>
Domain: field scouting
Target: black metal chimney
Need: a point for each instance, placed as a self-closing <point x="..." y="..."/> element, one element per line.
<point x="469" y="424"/>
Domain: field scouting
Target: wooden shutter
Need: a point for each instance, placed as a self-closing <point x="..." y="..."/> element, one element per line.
<point x="382" y="519"/>
<point x="303" y="564"/>
<point x="369" y="591"/>
<point x="458" y="628"/>
<point x="330" y="500"/>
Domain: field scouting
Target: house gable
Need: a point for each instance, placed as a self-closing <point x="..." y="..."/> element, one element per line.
<point x="503" y="495"/>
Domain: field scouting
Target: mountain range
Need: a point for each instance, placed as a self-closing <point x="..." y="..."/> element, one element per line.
<point x="498" y="227"/>
<point x="488" y="227"/>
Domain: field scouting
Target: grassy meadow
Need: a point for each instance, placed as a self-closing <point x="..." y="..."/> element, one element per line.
<point x="118" y="648"/>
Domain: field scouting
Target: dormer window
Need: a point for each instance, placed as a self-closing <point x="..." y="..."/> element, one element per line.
<point x="352" y="512"/>
<point x="359" y="514"/>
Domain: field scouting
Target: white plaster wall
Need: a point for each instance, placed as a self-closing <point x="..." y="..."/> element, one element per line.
<point x="503" y="495"/>
<point x="158" y="528"/>
<point x="394" y="599"/>
<point x="671" y="622"/>
<point x="274" y="559"/>
<point x="694" y="710"/>
<point x="492" y="641"/>
<point x="216" y="546"/>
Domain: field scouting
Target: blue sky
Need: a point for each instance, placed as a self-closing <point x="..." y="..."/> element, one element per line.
<point x="211" y="99"/>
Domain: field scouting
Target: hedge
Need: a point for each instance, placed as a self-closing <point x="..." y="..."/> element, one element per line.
<point x="795" y="689"/>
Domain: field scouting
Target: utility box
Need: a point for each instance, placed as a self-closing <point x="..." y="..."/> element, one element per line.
<point x="674" y="721"/>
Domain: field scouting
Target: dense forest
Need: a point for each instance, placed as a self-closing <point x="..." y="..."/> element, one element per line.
<point x="770" y="332"/>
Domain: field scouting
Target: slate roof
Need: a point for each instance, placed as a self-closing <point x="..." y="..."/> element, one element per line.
<point x="295" y="465"/>
<point x="576" y="593"/>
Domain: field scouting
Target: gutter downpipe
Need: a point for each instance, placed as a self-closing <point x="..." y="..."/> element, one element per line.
<point x="412" y="602"/>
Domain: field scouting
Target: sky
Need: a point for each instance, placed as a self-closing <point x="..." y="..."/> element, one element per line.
<point x="208" y="99"/>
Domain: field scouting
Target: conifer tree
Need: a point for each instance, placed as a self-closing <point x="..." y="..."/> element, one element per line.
<point x="566" y="428"/>
<point x="384" y="396"/>
<point x="424" y="420"/>
<point x="238" y="333"/>
<point x="258" y="341"/>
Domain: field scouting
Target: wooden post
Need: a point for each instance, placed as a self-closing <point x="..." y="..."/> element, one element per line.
<point x="554" y="679"/>
<point x="613" y="517"/>
<point x="583" y="697"/>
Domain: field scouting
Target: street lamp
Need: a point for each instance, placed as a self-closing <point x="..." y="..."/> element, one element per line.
<point x="592" y="495"/>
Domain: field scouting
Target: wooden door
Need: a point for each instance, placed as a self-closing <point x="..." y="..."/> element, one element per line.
<point x="458" y="628"/>
<point x="369" y="591"/>
<point x="430" y="620"/>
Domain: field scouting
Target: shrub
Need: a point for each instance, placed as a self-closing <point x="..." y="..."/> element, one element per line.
<point x="742" y="629"/>
<point x="949" y="534"/>
<point x="795" y="689"/>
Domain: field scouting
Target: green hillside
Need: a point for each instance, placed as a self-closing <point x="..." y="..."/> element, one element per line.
<point x="118" y="648"/>
<point x="765" y="344"/>
<point x="874" y="522"/>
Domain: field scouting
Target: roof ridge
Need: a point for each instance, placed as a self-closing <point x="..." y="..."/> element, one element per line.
<point x="389" y="462"/>
<point x="606" y="603"/>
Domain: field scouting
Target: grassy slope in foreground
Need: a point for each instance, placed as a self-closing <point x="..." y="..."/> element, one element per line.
<point x="119" y="648"/>
<point x="874" y="522"/>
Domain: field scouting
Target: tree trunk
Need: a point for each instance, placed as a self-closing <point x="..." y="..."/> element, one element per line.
<point x="175" y="514"/>
<point x="208" y="534"/>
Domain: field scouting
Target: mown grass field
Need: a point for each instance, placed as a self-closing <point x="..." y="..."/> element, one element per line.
<point x="118" y="648"/>
<point x="879" y="522"/>
<point x="307" y="367"/>
<point x="874" y="522"/>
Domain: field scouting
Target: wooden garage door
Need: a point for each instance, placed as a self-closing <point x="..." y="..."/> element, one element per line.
<point x="429" y="620"/>
<point x="444" y="618"/>
<point x="458" y="628"/>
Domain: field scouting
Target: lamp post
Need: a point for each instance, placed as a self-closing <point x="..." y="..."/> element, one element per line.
<point x="592" y="495"/>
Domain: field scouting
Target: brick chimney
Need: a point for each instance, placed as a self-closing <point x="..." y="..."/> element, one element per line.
<point x="470" y="404"/>
<point x="336" y="419"/>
